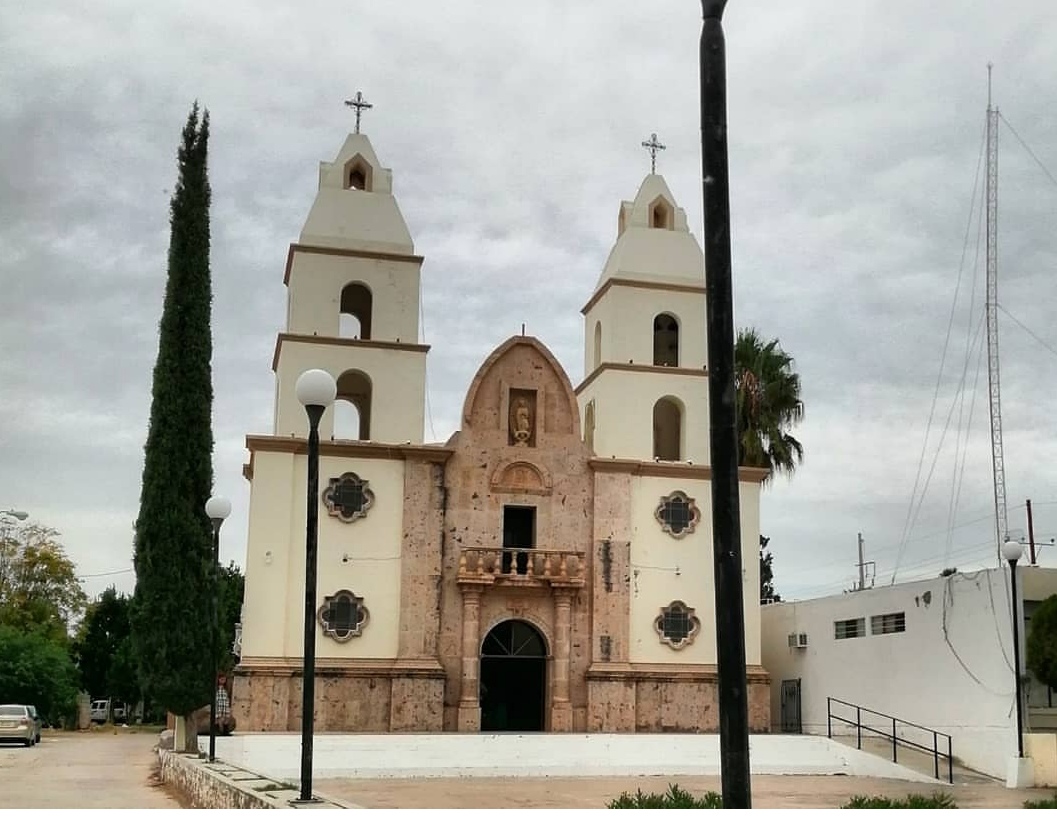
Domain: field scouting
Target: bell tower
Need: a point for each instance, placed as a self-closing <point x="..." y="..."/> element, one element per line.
<point x="353" y="307"/>
<point x="645" y="391"/>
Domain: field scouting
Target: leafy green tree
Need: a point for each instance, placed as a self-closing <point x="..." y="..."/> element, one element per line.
<point x="1042" y="642"/>
<point x="232" y="588"/>
<point x="767" y="592"/>
<point x="104" y="627"/>
<point x="173" y="541"/>
<point x="38" y="671"/>
<point x="768" y="404"/>
<point x="122" y="679"/>
<point x="39" y="589"/>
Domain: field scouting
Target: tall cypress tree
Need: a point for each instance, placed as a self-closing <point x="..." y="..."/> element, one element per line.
<point x="173" y="541"/>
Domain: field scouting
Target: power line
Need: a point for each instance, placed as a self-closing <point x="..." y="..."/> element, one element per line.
<point x="1031" y="153"/>
<point x="1020" y="324"/>
<point x="959" y="472"/>
<point x="908" y="523"/>
<point x="935" y="460"/>
<point x="104" y="574"/>
<point x="918" y="539"/>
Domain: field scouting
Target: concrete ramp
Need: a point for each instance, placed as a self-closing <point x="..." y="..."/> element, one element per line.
<point x="397" y="756"/>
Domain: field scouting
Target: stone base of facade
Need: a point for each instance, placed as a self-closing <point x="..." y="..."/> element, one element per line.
<point x="654" y="698"/>
<point x="372" y="697"/>
<point x="469" y="718"/>
<point x="402" y="696"/>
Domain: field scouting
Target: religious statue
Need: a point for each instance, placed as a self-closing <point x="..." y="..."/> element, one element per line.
<point x="521" y="428"/>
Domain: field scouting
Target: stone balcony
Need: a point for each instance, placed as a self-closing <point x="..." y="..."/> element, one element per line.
<point x="536" y="567"/>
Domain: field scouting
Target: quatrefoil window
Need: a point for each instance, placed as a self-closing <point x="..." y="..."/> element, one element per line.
<point x="347" y="498"/>
<point x="678" y="514"/>
<point x="343" y="616"/>
<point x="677" y="625"/>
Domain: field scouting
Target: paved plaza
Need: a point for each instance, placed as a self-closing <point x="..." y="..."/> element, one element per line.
<point x="93" y="769"/>
<point x="768" y="791"/>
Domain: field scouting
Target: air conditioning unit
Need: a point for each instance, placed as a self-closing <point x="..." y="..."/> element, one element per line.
<point x="798" y="640"/>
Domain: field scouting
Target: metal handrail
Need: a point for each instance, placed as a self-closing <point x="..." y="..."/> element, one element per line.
<point x="896" y="740"/>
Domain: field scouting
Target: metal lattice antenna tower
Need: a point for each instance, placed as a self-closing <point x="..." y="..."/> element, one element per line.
<point x="361" y="105"/>
<point x="997" y="458"/>
<point x="653" y="146"/>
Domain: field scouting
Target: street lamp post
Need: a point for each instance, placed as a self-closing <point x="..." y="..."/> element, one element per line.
<point x="218" y="508"/>
<point x="726" y="513"/>
<point x="316" y="390"/>
<point x="1012" y="552"/>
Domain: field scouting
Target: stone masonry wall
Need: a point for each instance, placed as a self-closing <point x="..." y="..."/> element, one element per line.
<point x="684" y="700"/>
<point x="350" y="699"/>
<point x="478" y="490"/>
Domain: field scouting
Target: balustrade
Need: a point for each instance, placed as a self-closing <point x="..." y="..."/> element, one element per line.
<point x="563" y="567"/>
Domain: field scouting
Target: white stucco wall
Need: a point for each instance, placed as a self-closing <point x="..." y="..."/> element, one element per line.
<point x="664" y="569"/>
<point x="398" y="381"/>
<point x="655" y="254"/>
<point x="627" y="314"/>
<point x="624" y="404"/>
<point x="348" y="218"/>
<point x="363" y="557"/>
<point x="315" y="285"/>
<point x="951" y="670"/>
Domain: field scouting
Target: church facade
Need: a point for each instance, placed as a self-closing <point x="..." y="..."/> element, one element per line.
<point x="549" y="567"/>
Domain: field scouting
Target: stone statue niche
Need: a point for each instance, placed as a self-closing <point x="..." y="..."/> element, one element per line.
<point x="522" y="419"/>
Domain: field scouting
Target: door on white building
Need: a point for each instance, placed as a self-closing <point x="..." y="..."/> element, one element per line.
<point x="791" y="722"/>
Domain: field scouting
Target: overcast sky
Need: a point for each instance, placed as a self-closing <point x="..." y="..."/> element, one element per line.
<point x="513" y="132"/>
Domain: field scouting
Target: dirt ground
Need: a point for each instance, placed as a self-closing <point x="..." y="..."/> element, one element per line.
<point x="590" y="792"/>
<point x="97" y="769"/>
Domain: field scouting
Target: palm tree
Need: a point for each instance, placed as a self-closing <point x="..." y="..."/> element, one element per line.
<point x="768" y="404"/>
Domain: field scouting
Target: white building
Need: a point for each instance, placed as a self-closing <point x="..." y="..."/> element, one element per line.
<point x="935" y="652"/>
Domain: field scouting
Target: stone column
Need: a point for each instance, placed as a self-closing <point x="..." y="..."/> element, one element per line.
<point x="561" y="707"/>
<point x="469" y="706"/>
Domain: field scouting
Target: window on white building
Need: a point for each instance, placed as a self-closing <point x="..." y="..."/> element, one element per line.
<point x="847" y="629"/>
<point x="888" y="623"/>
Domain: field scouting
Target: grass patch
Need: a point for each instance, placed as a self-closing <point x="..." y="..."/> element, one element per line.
<point x="942" y="801"/>
<point x="675" y="797"/>
<point x="1050" y="803"/>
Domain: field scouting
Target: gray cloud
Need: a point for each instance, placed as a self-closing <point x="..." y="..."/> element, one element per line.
<point x="513" y="134"/>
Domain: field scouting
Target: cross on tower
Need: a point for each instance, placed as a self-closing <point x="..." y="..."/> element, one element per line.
<point x="360" y="104"/>
<point x="653" y="146"/>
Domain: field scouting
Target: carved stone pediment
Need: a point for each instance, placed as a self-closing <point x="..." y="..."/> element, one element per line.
<point x="521" y="477"/>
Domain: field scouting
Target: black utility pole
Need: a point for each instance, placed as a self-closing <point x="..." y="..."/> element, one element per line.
<point x="214" y="633"/>
<point x="726" y="517"/>
<point x="308" y="681"/>
<point x="217" y="509"/>
<point x="1013" y="552"/>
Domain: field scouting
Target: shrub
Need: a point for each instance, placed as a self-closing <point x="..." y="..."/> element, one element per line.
<point x="676" y="797"/>
<point x="1050" y="803"/>
<point x="943" y="801"/>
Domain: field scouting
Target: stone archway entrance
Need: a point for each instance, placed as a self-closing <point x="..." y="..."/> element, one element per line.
<point x="513" y="678"/>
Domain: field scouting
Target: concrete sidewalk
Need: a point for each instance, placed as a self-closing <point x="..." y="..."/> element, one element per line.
<point x="917" y="760"/>
<point x="595" y="792"/>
